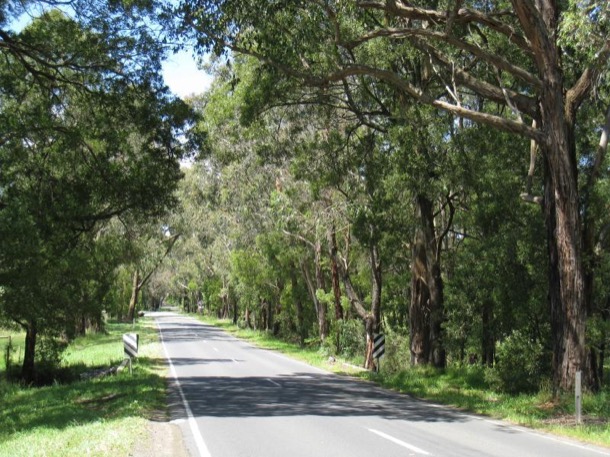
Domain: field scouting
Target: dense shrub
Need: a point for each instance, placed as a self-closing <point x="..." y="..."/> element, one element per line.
<point x="397" y="355"/>
<point x="346" y="338"/>
<point x="49" y="351"/>
<point x="519" y="366"/>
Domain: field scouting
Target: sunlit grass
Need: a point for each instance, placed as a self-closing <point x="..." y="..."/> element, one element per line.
<point x="97" y="417"/>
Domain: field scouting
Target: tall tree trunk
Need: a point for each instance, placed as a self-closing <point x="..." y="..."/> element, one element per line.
<point x="235" y="310"/>
<point x="373" y="324"/>
<point x="80" y="326"/>
<point x="135" y="291"/>
<point x="265" y="314"/>
<point x="605" y="313"/>
<point x="372" y="318"/>
<point x="28" y="373"/>
<point x="334" y="272"/>
<point x="558" y="107"/>
<point x="322" y="306"/>
<point x="248" y="322"/>
<point x="319" y="306"/>
<point x="298" y="304"/>
<point x="419" y="328"/>
<point x="566" y="273"/>
<point x="426" y="311"/>
<point x="488" y="341"/>
<point x="562" y="217"/>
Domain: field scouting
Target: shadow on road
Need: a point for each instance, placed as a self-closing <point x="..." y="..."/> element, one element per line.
<point x="192" y="331"/>
<point x="301" y="394"/>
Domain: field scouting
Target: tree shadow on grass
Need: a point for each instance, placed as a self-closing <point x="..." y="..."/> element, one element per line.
<point x="141" y="394"/>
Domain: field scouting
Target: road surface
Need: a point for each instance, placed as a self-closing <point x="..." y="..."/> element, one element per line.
<point x="231" y="399"/>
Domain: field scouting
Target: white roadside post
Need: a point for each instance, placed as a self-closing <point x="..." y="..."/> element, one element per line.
<point x="578" y="396"/>
<point x="130" y="346"/>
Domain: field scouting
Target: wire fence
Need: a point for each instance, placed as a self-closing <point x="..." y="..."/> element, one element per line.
<point x="7" y="353"/>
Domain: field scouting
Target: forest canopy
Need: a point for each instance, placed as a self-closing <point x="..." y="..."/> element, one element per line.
<point x="433" y="170"/>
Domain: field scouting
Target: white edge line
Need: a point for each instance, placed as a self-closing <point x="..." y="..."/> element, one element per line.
<point x="559" y="440"/>
<point x="199" y="442"/>
<point x="399" y="442"/>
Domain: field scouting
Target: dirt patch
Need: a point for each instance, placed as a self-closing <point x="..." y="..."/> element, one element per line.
<point x="163" y="439"/>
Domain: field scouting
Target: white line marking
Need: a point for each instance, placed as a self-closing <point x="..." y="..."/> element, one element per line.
<point x="274" y="383"/>
<point x="216" y="349"/>
<point x="201" y="446"/>
<point x="562" y="441"/>
<point x="399" y="442"/>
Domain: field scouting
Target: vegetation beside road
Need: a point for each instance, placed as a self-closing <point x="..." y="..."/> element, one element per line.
<point x="464" y="387"/>
<point x="96" y="417"/>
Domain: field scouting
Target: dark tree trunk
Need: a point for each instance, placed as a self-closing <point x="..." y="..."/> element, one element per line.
<point x="235" y="311"/>
<point x="322" y="306"/>
<point x="80" y="328"/>
<point x="558" y="108"/>
<point x="298" y="304"/>
<point x="370" y="330"/>
<point x="605" y="313"/>
<point x="28" y="373"/>
<point x="135" y="291"/>
<point x="319" y="306"/>
<point x="566" y="272"/>
<point x="247" y="317"/>
<point x="373" y="323"/>
<point x="419" y="328"/>
<point x="372" y="319"/>
<point x="488" y="341"/>
<point x="426" y="311"/>
<point x="334" y="272"/>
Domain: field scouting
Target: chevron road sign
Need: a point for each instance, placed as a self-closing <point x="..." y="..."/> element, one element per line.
<point x="378" y="345"/>
<point x="130" y="344"/>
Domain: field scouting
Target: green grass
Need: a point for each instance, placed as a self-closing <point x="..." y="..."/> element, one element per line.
<point x="98" y="417"/>
<point x="464" y="388"/>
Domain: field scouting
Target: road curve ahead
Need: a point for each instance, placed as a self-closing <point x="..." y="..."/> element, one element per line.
<point x="232" y="400"/>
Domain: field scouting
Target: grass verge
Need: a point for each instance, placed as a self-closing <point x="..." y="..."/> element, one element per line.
<point x="98" y="417"/>
<point x="461" y="387"/>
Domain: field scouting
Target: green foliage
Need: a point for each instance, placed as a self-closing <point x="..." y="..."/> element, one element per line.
<point x="346" y="338"/>
<point x="397" y="350"/>
<point x="89" y="135"/>
<point x="519" y="366"/>
<point x="49" y="356"/>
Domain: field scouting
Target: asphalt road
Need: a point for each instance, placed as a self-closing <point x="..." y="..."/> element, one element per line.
<point x="231" y="399"/>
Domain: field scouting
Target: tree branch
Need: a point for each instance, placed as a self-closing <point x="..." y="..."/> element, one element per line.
<point x="464" y="16"/>
<point x="579" y="91"/>
<point x="493" y="59"/>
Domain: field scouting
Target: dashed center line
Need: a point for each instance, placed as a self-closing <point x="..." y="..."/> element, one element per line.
<point x="399" y="442"/>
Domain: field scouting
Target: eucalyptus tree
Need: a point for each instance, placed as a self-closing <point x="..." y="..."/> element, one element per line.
<point x="87" y="135"/>
<point x="541" y="61"/>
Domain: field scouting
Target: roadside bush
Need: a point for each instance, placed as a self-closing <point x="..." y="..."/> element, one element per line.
<point x="519" y="366"/>
<point x="49" y="353"/>
<point x="397" y="351"/>
<point x="345" y="338"/>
